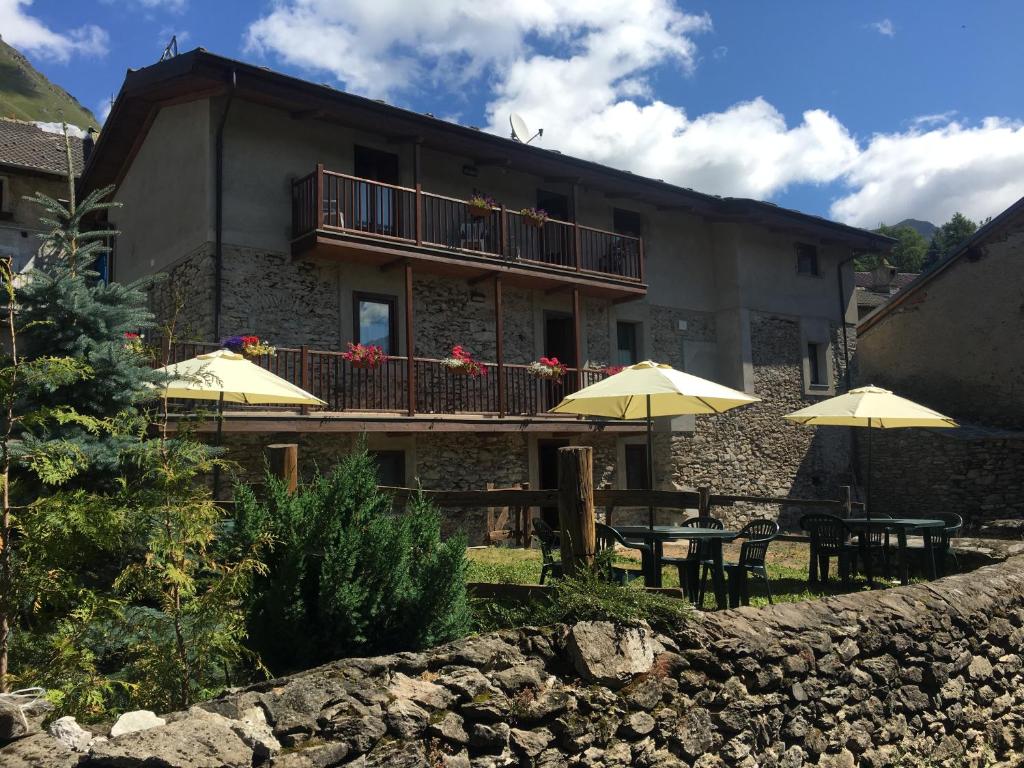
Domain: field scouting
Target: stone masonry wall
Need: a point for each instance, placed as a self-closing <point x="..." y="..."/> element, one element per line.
<point x="916" y="472"/>
<point x="926" y="675"/>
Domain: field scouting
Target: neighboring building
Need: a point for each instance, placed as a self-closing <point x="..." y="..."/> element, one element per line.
<point x="876" y="287"/>
<point x="31" y="160"/>
<point x="312" y="218"/>
<point x="954" y="340"/>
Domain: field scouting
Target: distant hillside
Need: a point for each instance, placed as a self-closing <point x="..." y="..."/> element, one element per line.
<point x="924" y="228"/>
<point x="26" y="94"/>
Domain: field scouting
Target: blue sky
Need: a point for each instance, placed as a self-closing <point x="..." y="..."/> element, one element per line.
<point x="862" y="111"/>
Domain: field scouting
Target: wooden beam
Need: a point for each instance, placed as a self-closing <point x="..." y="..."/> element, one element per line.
<point x="410" y="346"/>
<point x="499" y="343"/>
<point x="576" y="507"/>
<point x="406" y="138"/>
<point x="562" y="179"/>
<point x="499" y="161"/>
<point x="283" y="461"/>
<point x="307" y="114"/>
<point x="399" y="424"/>
<point x="401" y="261"/>
<point x="482" y="278"/>
<point x="577" y="334"/>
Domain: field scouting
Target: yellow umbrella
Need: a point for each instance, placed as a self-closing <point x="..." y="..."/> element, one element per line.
<point x="650" y="389"/>
<point x="874" y="408"/>
<point x="227" y="376"/>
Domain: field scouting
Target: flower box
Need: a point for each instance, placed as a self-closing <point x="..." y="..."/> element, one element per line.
<point x="480" y="206"/>
<point x="462" y="363"/>
<point x="365" y="356"/>
<point x="548" y="369"/>
<point x="534" y="217"/>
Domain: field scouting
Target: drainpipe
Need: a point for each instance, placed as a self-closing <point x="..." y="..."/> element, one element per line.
<point x="218" y="253"/>
<point x="842" y="317"/>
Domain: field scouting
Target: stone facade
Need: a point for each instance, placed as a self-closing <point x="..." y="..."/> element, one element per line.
<point x="917" y="472"/>
<point x="750" y="451"/>
<point x="926" y="675"/>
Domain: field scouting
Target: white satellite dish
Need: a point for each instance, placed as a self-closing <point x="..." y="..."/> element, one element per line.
<point x="520" y="132"/>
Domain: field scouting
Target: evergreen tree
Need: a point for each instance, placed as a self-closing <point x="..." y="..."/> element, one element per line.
<point x="948" y="237"/>
<point x="68" y="312"/>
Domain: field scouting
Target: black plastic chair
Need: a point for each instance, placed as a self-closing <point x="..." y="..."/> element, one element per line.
<point x="550" y="542"/>
<point x="606" y="539"/>
<point x="874" y="543"/>
<point x="830" y="537"/>
<point x="698" y="556"/>
<point x="941" y="541"/>
<point x="758" y="534"/>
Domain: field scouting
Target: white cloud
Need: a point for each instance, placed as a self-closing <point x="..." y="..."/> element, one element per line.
<point x="885" y="27"/>
<point x="30" y="35"/>
<point x="720" y="52"/>
<point x="172" y="6"/>
<point x="977" y="169"/>
<point x="587" y="72"/>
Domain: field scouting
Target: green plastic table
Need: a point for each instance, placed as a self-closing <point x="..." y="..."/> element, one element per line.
<point x="901" y="526"/>
<point x="659" y="534"/>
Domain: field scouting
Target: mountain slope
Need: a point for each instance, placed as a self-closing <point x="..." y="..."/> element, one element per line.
<point x="924" y="228"/>
<point x="26" y="94"/>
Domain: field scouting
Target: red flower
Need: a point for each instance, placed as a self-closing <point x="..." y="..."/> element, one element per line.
<point x="130" y="335"/>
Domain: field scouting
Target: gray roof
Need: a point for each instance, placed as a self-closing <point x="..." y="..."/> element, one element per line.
<point x="867" y="279"/>
<point x="26" y="145"/>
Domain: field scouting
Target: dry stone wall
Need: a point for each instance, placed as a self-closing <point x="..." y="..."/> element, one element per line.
<point x="926" y="675"/>
<point x="917" y="472"/>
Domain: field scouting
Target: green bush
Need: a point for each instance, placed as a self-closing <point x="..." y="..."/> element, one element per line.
<point x="346" y="575"/>
<point x="586" y="596"/>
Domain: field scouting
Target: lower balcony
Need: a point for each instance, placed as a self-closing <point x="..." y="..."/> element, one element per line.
<point x="421" y="394"/>
<point x="337" y="216"/>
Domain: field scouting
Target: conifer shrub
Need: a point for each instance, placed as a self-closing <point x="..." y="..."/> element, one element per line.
<point x="347" y="574"/>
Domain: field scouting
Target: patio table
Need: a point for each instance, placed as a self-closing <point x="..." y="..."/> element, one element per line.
<point x="659" y="534"/>
<point x="901" y="526"/>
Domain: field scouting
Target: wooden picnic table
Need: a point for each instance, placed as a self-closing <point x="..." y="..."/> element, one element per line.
<point x="659" y="534"/>
<point x="901" y="526"/>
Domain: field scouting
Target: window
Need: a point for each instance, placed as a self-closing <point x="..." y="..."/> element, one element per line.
<point x="627" y="222"/>
<point x="3" y="194"/>
<point x="817" y="367"/>
<point x="390" y="467"/>
<point x="807" y="259"/>
<point x="556" y="205"/>
<point x="375" y="321"/>
<point x="636" y="466"/>
<point x="628" y="343"/>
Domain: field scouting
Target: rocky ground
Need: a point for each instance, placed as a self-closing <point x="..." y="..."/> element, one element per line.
<point x="929" y="674"/>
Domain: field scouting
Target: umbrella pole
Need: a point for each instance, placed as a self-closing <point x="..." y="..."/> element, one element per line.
<point x="650" y="466"/>
<point x="217" y="442"/>
<point x="867" y="480"/>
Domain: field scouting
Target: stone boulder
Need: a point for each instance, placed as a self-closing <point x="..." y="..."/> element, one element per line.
<point x="207" y="741"/>
<point x="137" y="720"/>
<point x="68" y="732"/>
<point x="611" y="655"/>
<point x="13" y="723"/>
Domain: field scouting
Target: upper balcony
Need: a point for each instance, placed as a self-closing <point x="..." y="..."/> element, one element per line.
<point x="335" y="215"/>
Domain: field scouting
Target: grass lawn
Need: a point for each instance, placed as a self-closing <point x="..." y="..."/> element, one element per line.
<point x="787" y="567"/>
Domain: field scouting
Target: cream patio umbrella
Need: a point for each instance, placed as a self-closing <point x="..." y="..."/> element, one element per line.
<point x="650" y="389"/>
<point x="874" y="408"/>
<point x="227" y="377"/>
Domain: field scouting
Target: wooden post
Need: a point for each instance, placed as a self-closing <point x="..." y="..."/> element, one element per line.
<point x="577" y="337"/>
<point x="499" y="333"/>
<point x="704" y="501"/>
<point x="304" y="371"/>
<point x="283" y="459"/>
<point x="503" y="232"/>
<point x="410" y="346"/>
<point x="846" y="496"/>
<point x="319" y="196"/>
<point x="576" y="246"/>
<point x="419" y="214"/>
<point x="640" y="256"/>
<point x="576" y="506"/>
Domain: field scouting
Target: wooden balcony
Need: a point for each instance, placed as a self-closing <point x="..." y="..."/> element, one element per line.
<point x="506" y="390"/>
<point x="339" y="216"/>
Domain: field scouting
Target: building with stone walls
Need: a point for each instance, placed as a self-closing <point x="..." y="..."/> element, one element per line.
<point x="954" y="340"/>
<point x="314" y="218"/>
<point x="31" y="160"/>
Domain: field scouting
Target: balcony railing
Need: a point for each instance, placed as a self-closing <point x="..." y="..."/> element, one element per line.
<point x="329" y="201"/>
<point x="505" y="390"/>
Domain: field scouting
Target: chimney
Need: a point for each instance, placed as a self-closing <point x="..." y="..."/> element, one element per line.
<point x="883" y="276"/>
<point x="87" y="145"/>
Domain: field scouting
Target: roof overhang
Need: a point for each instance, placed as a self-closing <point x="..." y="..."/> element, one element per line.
<point x="201" y="74"/>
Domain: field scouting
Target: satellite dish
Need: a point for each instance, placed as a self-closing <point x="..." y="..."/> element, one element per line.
<point x="520" y="132"/>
